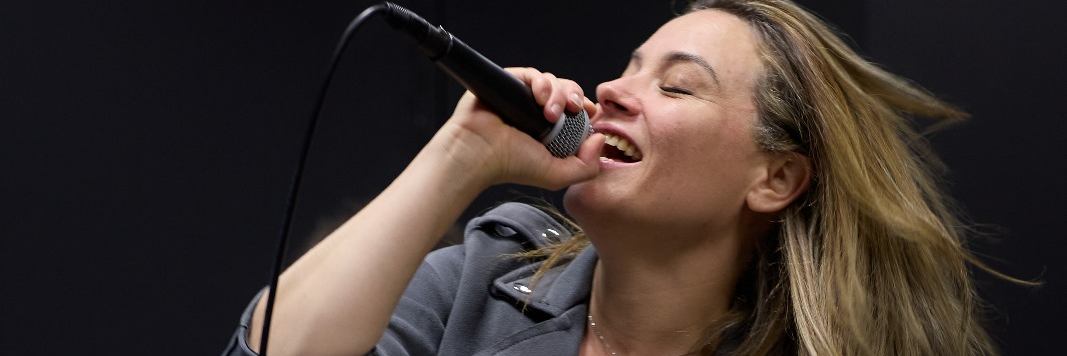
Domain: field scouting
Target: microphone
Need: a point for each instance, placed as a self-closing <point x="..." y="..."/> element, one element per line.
<point x="496" y="88"/>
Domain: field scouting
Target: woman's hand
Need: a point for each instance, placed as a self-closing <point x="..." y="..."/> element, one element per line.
<point x="493" y="152"/>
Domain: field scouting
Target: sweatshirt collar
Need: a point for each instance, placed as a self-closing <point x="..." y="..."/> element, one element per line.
<point x="563" y="287"/>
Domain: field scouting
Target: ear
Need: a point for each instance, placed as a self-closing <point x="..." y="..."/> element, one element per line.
<point x="787" y="177"/>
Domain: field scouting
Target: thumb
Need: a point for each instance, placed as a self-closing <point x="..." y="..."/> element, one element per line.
<point x="581" y="167"/>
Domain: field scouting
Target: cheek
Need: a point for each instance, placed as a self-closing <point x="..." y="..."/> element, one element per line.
<point x="712" y="161"/>
<point x="711" y="142"/>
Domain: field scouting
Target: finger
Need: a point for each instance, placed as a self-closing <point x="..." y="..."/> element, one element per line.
<point x="584" y="166"/>
<point x="590" y="107"/>
<point x="589" y="151"/>
<point x="556" y="99"/>
<point x="540" y="87"/>
<point x="543" y="86"/>
<point x="574" y="95"/>
<point x="532" y="78"/>
<point x="553" y="94"/>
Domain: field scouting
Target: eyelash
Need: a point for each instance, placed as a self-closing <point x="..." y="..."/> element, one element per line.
<point x="676" y="90"/>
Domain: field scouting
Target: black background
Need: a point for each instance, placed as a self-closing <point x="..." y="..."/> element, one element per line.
<point x="146" y="147"/>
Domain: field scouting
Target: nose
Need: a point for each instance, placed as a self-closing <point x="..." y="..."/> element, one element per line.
<point x="617" y="98"/>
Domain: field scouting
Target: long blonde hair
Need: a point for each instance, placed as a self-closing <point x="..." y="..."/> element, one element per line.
<point x="871" y="260"/>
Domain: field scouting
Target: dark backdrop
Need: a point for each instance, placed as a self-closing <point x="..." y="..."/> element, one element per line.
<point x="146" y="147"/>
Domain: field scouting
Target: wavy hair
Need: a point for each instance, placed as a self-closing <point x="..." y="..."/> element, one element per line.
<point x="872" y="259"/>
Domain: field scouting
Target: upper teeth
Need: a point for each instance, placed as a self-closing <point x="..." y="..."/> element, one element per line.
<point x="623" y="145"/>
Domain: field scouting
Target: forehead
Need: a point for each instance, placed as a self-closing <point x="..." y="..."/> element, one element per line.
<point x="723" y="40"/>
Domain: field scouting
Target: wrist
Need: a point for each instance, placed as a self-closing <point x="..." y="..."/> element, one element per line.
<point x="461" y="157"/>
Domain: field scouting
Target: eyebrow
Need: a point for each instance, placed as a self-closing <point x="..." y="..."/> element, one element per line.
<point x="677" y="56"/>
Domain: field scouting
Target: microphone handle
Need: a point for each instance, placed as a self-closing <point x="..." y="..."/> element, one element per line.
<point x="499" y="90"/>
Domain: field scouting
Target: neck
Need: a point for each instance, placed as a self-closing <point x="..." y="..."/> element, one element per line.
<point x="659" y="297"/>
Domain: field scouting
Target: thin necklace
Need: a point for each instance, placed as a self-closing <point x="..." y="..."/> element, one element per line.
<point x="592" y="325"/>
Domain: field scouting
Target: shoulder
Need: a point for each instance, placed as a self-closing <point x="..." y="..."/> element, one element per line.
<point x="490" y="242"/>
<point x="524" y="222"/>
<point x="463" y="298"/>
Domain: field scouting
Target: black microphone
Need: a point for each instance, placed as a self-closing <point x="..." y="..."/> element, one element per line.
<point x="499" y="90"/>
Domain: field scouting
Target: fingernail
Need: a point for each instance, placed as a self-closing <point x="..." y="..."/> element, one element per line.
<point x="576" y="100"/>
<point x="556" y="110"/>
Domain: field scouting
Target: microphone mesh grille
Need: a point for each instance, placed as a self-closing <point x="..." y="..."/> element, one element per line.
<point x="575" y="129"/>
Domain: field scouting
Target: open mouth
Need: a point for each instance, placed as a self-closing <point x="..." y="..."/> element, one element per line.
<point x="619" y="149"/>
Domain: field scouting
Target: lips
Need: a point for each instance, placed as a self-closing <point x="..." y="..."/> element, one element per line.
<point x="619" y="149"/>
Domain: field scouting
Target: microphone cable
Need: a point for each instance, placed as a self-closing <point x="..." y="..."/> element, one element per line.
<point x="294" y="189"/>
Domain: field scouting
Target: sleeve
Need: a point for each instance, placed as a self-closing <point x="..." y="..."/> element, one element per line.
<point x="238" y="345"/>
<point x="418" y="322"/>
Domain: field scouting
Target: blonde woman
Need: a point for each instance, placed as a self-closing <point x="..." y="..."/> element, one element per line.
<point x="754" y="188"/>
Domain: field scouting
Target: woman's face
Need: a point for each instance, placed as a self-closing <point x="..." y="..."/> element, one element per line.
<point x="685" y="103"/>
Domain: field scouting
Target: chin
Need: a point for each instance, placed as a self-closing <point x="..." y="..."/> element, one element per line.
<point x="588" y="202"/>
<point x="571" y="197"/>
<point x="578" y="201"/>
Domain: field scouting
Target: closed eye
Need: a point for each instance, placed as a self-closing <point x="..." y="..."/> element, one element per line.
<point x="676" y="90"/>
